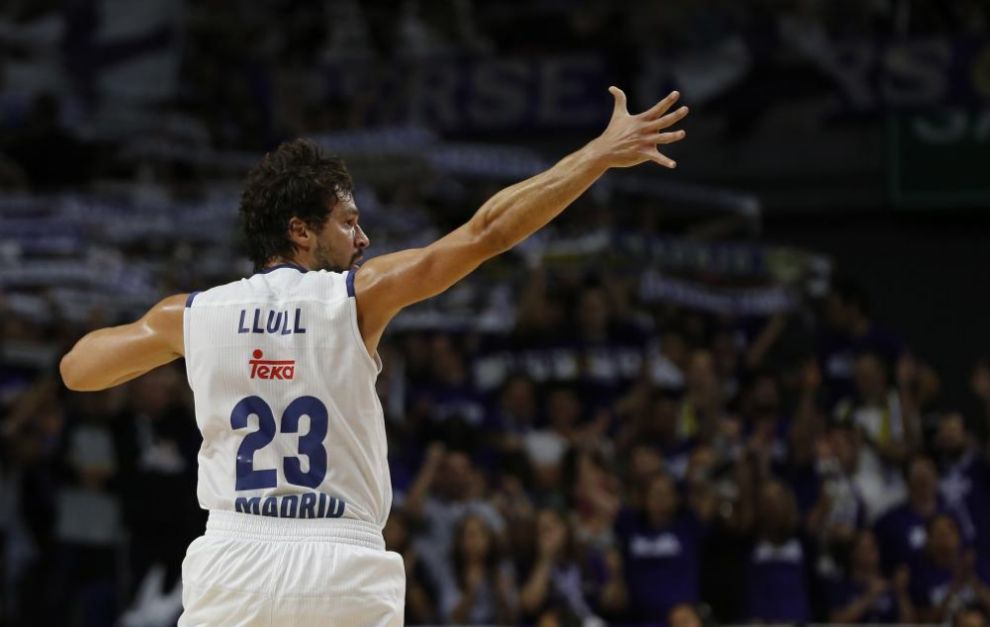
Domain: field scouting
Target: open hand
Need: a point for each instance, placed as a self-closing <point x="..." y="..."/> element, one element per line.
<point x="632" y="139"/>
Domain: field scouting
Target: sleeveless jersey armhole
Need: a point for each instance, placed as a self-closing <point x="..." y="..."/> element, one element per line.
<point x="373" y="362"/>
<point x="186" y="324"/>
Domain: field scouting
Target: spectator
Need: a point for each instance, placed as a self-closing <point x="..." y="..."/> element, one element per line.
<point x="840" y="509"/>
<point x="88" y="519"/>
<point x="447" y="488"/>
<point x="97" y="489"/>
<point x="725" y="346"/>
<point x="946" y="578"/>
<point x="765" y="430"/>
<point x="483" y="590"/>
<point x="850" y="331"/>
<point x="450" y="396"/>
<point x="703" y="406"/>
<point x="49" y="156"/>
<point x="668" y="361"/>
<point x="420" y="594"/>
<point x="777" y="563"/>
<point x="595" y="498"/>
<point x="610" y="349"/>
<point x="863" y="595"/>
<point x="656" y="427"/>
<point x="554" y="587"/>
<point x="515" y="413"/>
<point x="32" y="433"/>
<point x="979" y="384"/>
<point x="878" y="411"/>
<point x="902" y="531"/>
<point x="661" y="547"/>
<point x="965" y="482"/>
<point x="157" y="443"/>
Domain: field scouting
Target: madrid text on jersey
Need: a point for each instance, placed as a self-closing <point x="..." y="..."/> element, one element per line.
<point x="306" y="505"/>
<point x="275" y="323"/>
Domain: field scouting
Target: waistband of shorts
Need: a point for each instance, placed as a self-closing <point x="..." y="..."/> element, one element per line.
<point x="236" y="525"/>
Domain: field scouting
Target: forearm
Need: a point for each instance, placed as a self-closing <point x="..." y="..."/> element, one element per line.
<point x="905" y="608"/>
<point x="416" y="496"/>
<point x="389" y="283"/>
<point x="27" y="405"/>
<point x="853" y="612"/>
<point x="765" y="340"/>
<point x="534" y="593"/>
<point x="520" y="210"/>
<point x="910" y="419"/>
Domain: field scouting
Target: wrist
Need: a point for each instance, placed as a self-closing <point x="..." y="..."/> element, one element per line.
<point x="595" y="155"/>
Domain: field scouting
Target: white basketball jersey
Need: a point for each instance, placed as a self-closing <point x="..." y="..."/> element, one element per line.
<point x="285" y="398"/>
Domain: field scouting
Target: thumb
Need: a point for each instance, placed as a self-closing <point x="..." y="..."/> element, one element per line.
<point x="620" y="100"/>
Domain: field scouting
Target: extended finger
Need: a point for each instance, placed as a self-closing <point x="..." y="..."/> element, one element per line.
<point x="670" y="138"/>
<point x="620" y="100"/>
<point x="664" y="160"/>
<point x="663" y="106"/>
<point x="668" y="120"/>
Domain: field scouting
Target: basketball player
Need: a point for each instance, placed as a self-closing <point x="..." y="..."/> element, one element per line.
<point x="283" y="364"/>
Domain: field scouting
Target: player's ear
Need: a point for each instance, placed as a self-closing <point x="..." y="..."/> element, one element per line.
<point x="298" y="231"/>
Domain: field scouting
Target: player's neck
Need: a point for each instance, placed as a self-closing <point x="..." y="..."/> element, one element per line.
<point x="288" y="261"/>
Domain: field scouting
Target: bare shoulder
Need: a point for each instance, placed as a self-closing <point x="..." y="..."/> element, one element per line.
<point x="170" y="307"/>
<point x="402" y="278"/>
<point x="378" y="272"/>
<point x="387" y="284"/>
<point x="165" y="320"/>
<point x="380" y="290"/>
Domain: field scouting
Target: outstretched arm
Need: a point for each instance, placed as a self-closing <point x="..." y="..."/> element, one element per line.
<point x="389" y="283"/>
<point x="108" y="357"/>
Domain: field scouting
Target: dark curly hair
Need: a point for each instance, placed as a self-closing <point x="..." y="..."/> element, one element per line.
<point x="297" y="180"/>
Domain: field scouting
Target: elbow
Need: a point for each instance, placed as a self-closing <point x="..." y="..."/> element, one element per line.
<point x="494" y="241"/>
<point x="489" y="236"/>
<point x="69" y="372"/>
<point x="72" y="374"/>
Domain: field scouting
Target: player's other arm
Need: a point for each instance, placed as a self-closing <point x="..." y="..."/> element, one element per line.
<point x="111" y="356"/>
<point x="388" y="283"/>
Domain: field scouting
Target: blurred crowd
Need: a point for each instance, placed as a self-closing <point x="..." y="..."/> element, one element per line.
<point x="87" y="77"/>
<point x="594" y="457"/>
<point x="655" y="466"/>
<point x="607" y="460"/>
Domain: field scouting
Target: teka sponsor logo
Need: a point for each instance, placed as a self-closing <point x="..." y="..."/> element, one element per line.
<point x="283" y="370"/>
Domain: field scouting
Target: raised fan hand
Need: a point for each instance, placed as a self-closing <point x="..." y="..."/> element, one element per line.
<point x="633" y="139"/>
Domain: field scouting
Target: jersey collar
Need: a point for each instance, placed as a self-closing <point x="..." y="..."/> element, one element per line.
<point x="282" y="265"/>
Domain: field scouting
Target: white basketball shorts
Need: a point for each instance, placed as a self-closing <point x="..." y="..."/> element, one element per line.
<point x="256" y="571"/>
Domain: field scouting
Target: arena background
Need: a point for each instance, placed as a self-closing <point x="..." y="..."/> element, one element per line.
<point x="752" y="389"/>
